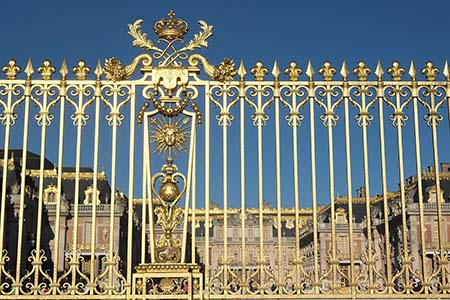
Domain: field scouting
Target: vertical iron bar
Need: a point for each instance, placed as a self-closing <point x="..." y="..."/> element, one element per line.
<point x="44" y="115"/>
<point x="441" y="228"/>
<point x="130" y="216"/>
<point x="406" y="259"/>
<point x="207" y="182"/>
<point x="243" y="209"/>
<point x="380" y="96"/>
<point x="278" y="187"/>
<point x="79" y="123"/>
<point x="419" y="186"/>
<point x="145" y="187"/>
<point x="334" y="259"/>
<point x="56" y="249"/>
<point x="188" y="188"/>
<point x="296" y="192"/>
<point x="110" y="287"/>
<point x="225" y="191"/>
<point x="260" y="195"/>
<point x="148" y="176"/>
<point x="193" y="208"/>
<point x="349" y="190"/>
<point x="314" y="184"/>
<point x="94" y="195"/>
<point x="370" y="261"/>
<point x="22" y="187"/>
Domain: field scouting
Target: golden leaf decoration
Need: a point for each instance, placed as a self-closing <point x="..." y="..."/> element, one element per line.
<point x="200" y="38"/>
<point x="140" y="37"/>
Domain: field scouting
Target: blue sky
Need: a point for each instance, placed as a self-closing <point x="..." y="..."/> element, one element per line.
<point x="247" y="30"/>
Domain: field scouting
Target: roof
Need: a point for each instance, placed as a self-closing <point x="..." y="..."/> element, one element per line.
<point x="68" y="176"/>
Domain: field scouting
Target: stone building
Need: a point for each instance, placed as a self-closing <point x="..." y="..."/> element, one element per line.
<point x="66" y="214"/>
<point x="427" y="249"/>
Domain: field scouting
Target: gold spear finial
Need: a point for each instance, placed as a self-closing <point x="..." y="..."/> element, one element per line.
<point x="242" y="71"/>
<point x="379" y="71"/>
<point x="446" y="71"/>
<point x="344" y="71"/>
<point x="276" y="71"/>
<point x="310" y="71"/>
<point x="64" y="70"/>
<point x="29" y="69"/>
<point x="98" y="70"/>
<point x="412" y="71"/>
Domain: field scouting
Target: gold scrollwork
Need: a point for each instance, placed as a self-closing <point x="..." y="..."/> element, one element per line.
<point x="116" y="71"/>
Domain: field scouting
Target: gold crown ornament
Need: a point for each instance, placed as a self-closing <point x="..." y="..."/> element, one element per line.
<point x="171" y="28"/>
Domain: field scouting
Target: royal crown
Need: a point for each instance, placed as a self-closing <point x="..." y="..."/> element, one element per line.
<point x="171" y="28"/>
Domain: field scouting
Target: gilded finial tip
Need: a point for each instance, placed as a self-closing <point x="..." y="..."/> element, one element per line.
<point x="344" y="70"/>
<point x="64" y="70"/>
<point x="379" y="70"/>
<point x="242" y="71"/>
<point x="98" y="69"/>
<point x="310" y="70"/>
<point x="446" y="70"/>
<point x="276" y="70"/>
<point x="412" y="71"/>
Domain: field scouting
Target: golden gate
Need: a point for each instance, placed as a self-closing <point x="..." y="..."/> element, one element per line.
<point x="165" y="236"/>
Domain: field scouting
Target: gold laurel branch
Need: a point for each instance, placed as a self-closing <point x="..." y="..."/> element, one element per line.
<point x="140" y="37"/>
<point x="200" y="38"/>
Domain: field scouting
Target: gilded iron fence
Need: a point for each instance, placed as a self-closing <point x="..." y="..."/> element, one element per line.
<point x="189" y="230"/>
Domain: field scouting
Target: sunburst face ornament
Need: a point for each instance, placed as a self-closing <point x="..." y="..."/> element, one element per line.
<point x="169" y="135"/>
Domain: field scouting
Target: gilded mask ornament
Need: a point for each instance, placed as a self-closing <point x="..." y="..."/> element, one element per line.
<point x="169" y="135"/>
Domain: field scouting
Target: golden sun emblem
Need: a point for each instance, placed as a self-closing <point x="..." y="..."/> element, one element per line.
<point x="169" y="135"/>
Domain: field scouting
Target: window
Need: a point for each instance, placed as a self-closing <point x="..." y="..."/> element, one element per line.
<point x="343" y="244"/>
<point x="341" y="216"/>
<point x="50" y="194"/>
<point x="432" y="194"/>
<point x="87" y="232"/>
<point x="89" y="195"/>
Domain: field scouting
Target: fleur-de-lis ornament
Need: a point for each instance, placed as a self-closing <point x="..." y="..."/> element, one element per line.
<point x="430" y="71"/>
<point x="396" y="71"/>
<point x="46" y="70"/>
<point x="327" y="71"/>
<point x="11" y="69"/>
<point x="293" y="71"/>
<point x="81" y="70"/>
<point x="259" y="71"/>
<point x="361" y="71"/>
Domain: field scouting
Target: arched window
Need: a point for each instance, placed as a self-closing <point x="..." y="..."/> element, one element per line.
<point x="89" y="195"/>
<point x="50" y="194"/>
<point x="432" y="194"/>
<point x="341" y="216"/>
